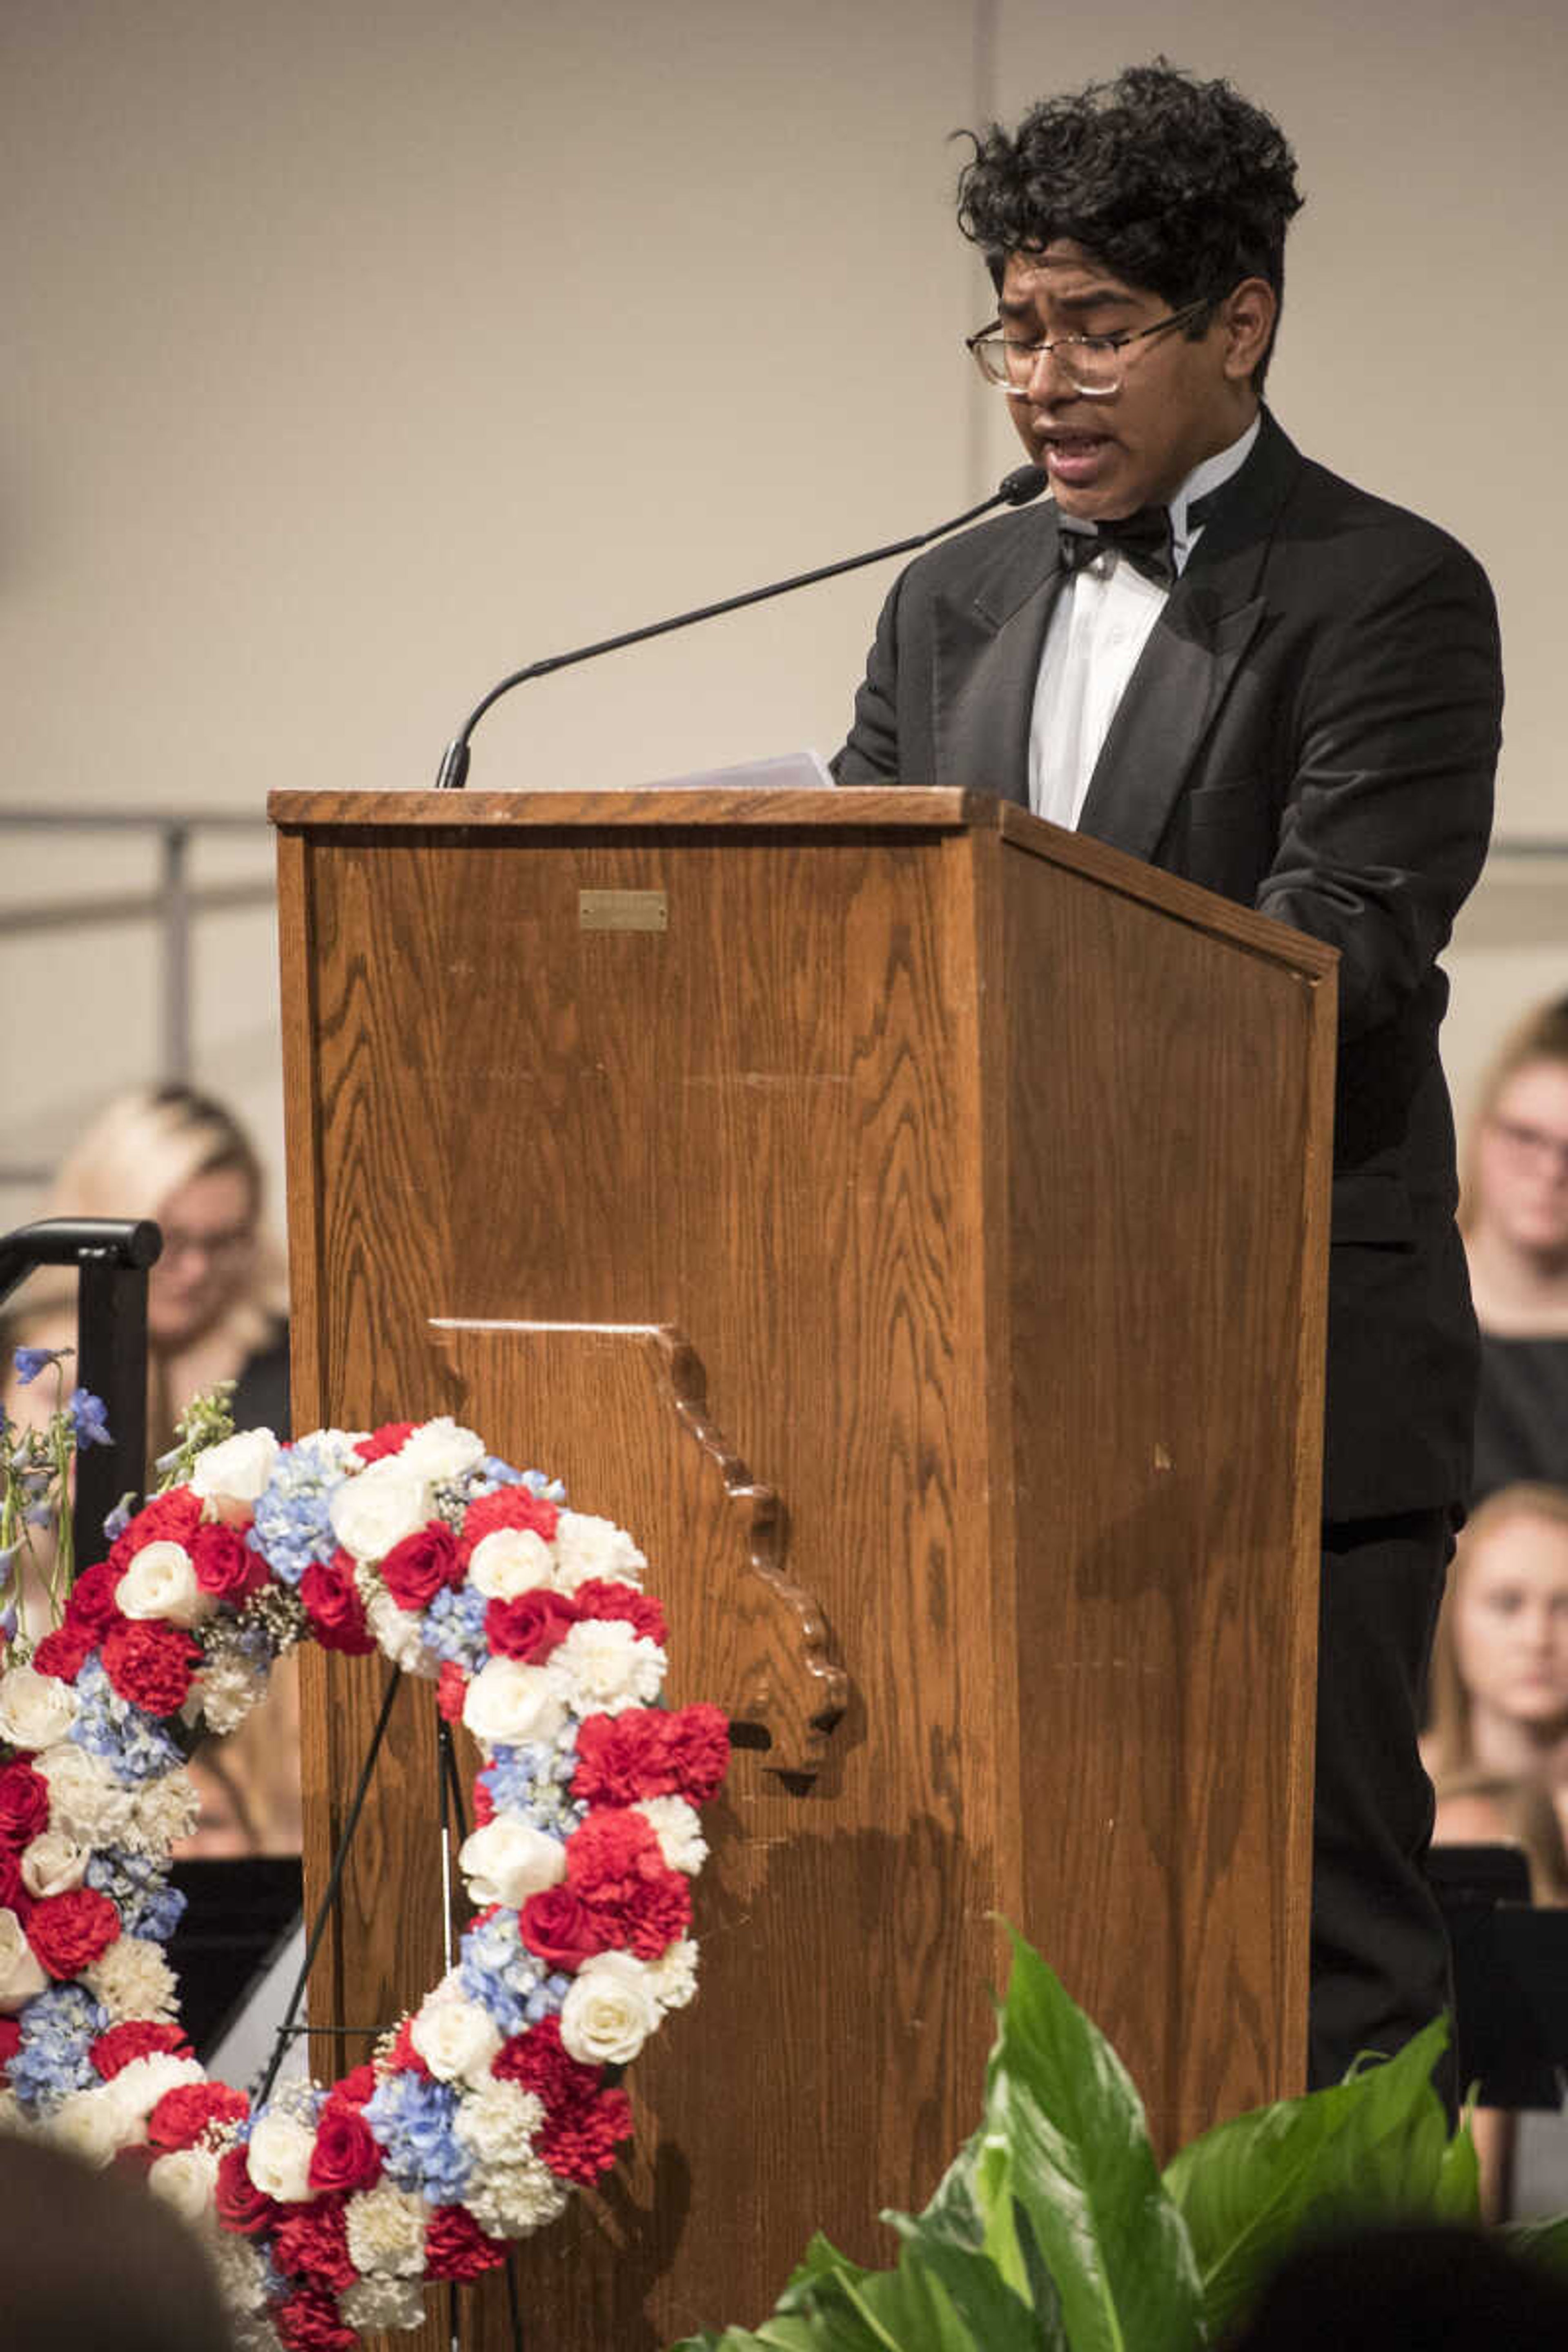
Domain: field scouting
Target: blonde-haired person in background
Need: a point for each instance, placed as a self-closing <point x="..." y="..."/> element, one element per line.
<point x="1513" y="1215"/>
<point x="1499" y="1664"/>
<point x="216" y="1310"/>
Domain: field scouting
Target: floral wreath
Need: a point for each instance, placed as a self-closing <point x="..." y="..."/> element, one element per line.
<point x="329" y="2208"/>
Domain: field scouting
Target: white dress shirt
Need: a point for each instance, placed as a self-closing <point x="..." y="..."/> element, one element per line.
<point x="1099" y="627"/>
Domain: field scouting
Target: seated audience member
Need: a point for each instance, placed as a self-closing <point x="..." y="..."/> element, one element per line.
<point x="1514" y="1216"/>
<point x="1413" y="2289"/>
<point x="1499" y="1665"/>
<point x="216" y="1311"/>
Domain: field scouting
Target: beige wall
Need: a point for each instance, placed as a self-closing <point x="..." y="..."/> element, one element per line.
<point x="358" y="352"/>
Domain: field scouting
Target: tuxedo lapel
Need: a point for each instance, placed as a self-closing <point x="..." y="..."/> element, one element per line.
<point x="986" y="646"/>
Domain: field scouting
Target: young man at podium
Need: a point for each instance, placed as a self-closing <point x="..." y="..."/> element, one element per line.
<point x="1213" y="654"/>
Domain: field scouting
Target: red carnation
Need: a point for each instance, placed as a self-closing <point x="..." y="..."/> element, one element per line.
<point x="507" y="1506"/>
<point x="68" y="1932"/>
<point x="65" y="1651"/>
<point x="10" y="2039"/>
<point x="309" y="2322"/>
<point x="314" y="2238"/>
<point x="402" y="2058"/>
<point x="562" y="1929"/>
<point x="456" y="2248"/>
<point x="614" y="1862"/>
<point x="647" y="1751"/>
<point x="531" y="1626"/>
<point x="151" y="1664"/>
<point x="536" y="2059"/>
<point x="23" y="1802"/>
<point x="452" y="1690"/>
<point x="243" y="2207"/>
<point x="346" y="2155"/>
<point x="390" y="1438"/>
<point x="598" y="1597"/>
<point x="138" y="2037"/>
<point x="182" y="2114"/>
<point x="356" y="2089"/>
<point x="580" y="2143"/>
<point x="414" y="1571"/>
<point x="484" y="1805"/>
<point x="225" y="1564"/>
<point x="173" y="1518"/>
<point x="336" y="1612"/>
<point x="90" y="1607"/>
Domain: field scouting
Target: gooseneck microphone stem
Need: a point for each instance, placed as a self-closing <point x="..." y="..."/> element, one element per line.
<point x="1024" y="483"/>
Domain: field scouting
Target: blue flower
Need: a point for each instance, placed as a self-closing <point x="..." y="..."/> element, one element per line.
<point x="454" y="1626"/>
<point x="31" y="1361"/>
<point x="293" y="1523"/>
<point x="87" y="1415"/>
<point x="133" y="1745"/>
<point x="119" y="1518"/>
<point x="500" y="1972"/>
<point x="59" y="2028"/>
<point x="412" y="2117"/>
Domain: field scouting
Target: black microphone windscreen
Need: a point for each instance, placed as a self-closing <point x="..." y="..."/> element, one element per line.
<point x="1024" y="483"/>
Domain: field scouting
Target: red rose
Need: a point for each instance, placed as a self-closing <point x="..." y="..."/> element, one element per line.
<point x="509" y="1507"/>
<point x="10" y="2039"/>
<point x="138" y="2037"/>
<point x="242" y="2206"/>
<point x="14" y="1895"/>
<point x="65" y="1651"/>
<point x="536" y="2059"/>
<point x="23" y="1802"/>
<point x="173" y="1518"/>
<point x="390" y="1438"/>
<point x="336" y="1612"/>
<point x="598" y="1597"/>
<point x="452" y="1690"/>
<point x="225" y="1564"/>
<point x="182" y="2114"/>
<point x="68" y="1932"/>
<point x="314" y="2238"/>
<point x="580" y="2142"/>
<point x="309" y="2322"/>
<point x="648" y="1751"/>
<point x="346" y="2155"/>
<point x="562" y="1929"/>
<point x="531" y="1626"/>
<point x="456" y="2248"/>
<point x="151" y="1664"/>
<point x="414" y="1571"/>
<point x="90" y="1606"/>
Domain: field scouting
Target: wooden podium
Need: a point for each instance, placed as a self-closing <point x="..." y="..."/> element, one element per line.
<point x="911" y="1220"/>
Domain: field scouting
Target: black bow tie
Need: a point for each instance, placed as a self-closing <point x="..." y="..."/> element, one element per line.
<point x="1144" y="539"/>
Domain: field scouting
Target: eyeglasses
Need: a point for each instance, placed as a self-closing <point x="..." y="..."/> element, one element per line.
<point x="225" y="1248"/>
<point x="1534" y="1143"/>
<point x="1092" y="365"/>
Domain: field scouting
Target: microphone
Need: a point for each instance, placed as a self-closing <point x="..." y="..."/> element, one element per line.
<point x="1025" y="482"/>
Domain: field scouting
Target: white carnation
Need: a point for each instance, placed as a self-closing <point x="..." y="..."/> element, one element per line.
<point x="516" y="2198"/>
<point x="676" y="1825"/>
<point x="138" y="2088"/>
<point x="587" y="1546"/>
<point x="21" y="1977"/>
<point x="508" y="1703"/>
<point x="161" y="1583"/>
<point x="53" y="1864"/>
<point x="609" y="2012"/>
<point x="508" y="1861"/>
<point x="387" y="2232"/>
<point x="377" y="1509"/>
<point x="132" y="1978"/>
<point x="242" y="2281"/>
<point x="185" y="2179"/>
<point x="510" y="1561"/>
<point x="499" y="2122"/>
<point x="673" y="1977"/>
<point x="237" y="1470"/>
<point x="279" y="2159"/>
<point x="162" y="1811"/>
<point x="254" y="2332"/>
<point x="396" y="1631"/>
<point x="89" y="2125"/>
<point x="440" y="1452"/>
<point x="86" y="1801"/>
<point x="378" y="2305"/>
<point x="36" y="1710"/>
<point x="605" y="1664"/>
<point x="455" y="2036"/>
<point x="225" y="1692"/>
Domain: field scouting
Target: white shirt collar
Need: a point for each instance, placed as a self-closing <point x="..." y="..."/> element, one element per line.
<point x="1204" y="479"/>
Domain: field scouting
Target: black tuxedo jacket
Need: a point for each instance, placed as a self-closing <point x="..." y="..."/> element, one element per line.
<point x="1311" y="729"/>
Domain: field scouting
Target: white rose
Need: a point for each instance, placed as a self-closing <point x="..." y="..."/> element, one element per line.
<point x="673" y="1977"/>
<point x="610" y="2010"/>
<point x="440" y="1451"/>
<point x="508" y="1703"/>
<point x="377" y="1509"/>
<point x="53" y="1864"/>
<point x="86" y="1801"/>
<point x="498" y="2123"/>
<point x="89" y="2125"/>
<point x="185" y="2179"/>
<point x="238" y="1469"/>
<point x="455" y="2038"/>
<point x="387" y="2232"/>
<point x="510" y="1561"/>
<point x="161" y="1581"/>
<point x="377" y="2306"/>
<point x="20" y="1976"/>
<point x="36" y="1710"/>
<point x="676" y="1825"/>
<point x="586" y="1546"/>
<point x="605" y="1665"/>
<point x="396" y="1634"/>
<point x="279" y="2159"/>
<point x="506" y="1861"/>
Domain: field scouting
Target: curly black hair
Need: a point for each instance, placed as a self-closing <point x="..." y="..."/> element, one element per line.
<point x="1180" y="186"/>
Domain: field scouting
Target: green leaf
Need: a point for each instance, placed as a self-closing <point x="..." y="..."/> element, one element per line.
<point x="1540" y="2241"/>
<point x="995" y="2316"/>
<point x="1459" y="2191"/>
<point x="1372" y="2147"/>
<point x="821" y="2261"/>
<point x="1065" y="2135"/>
